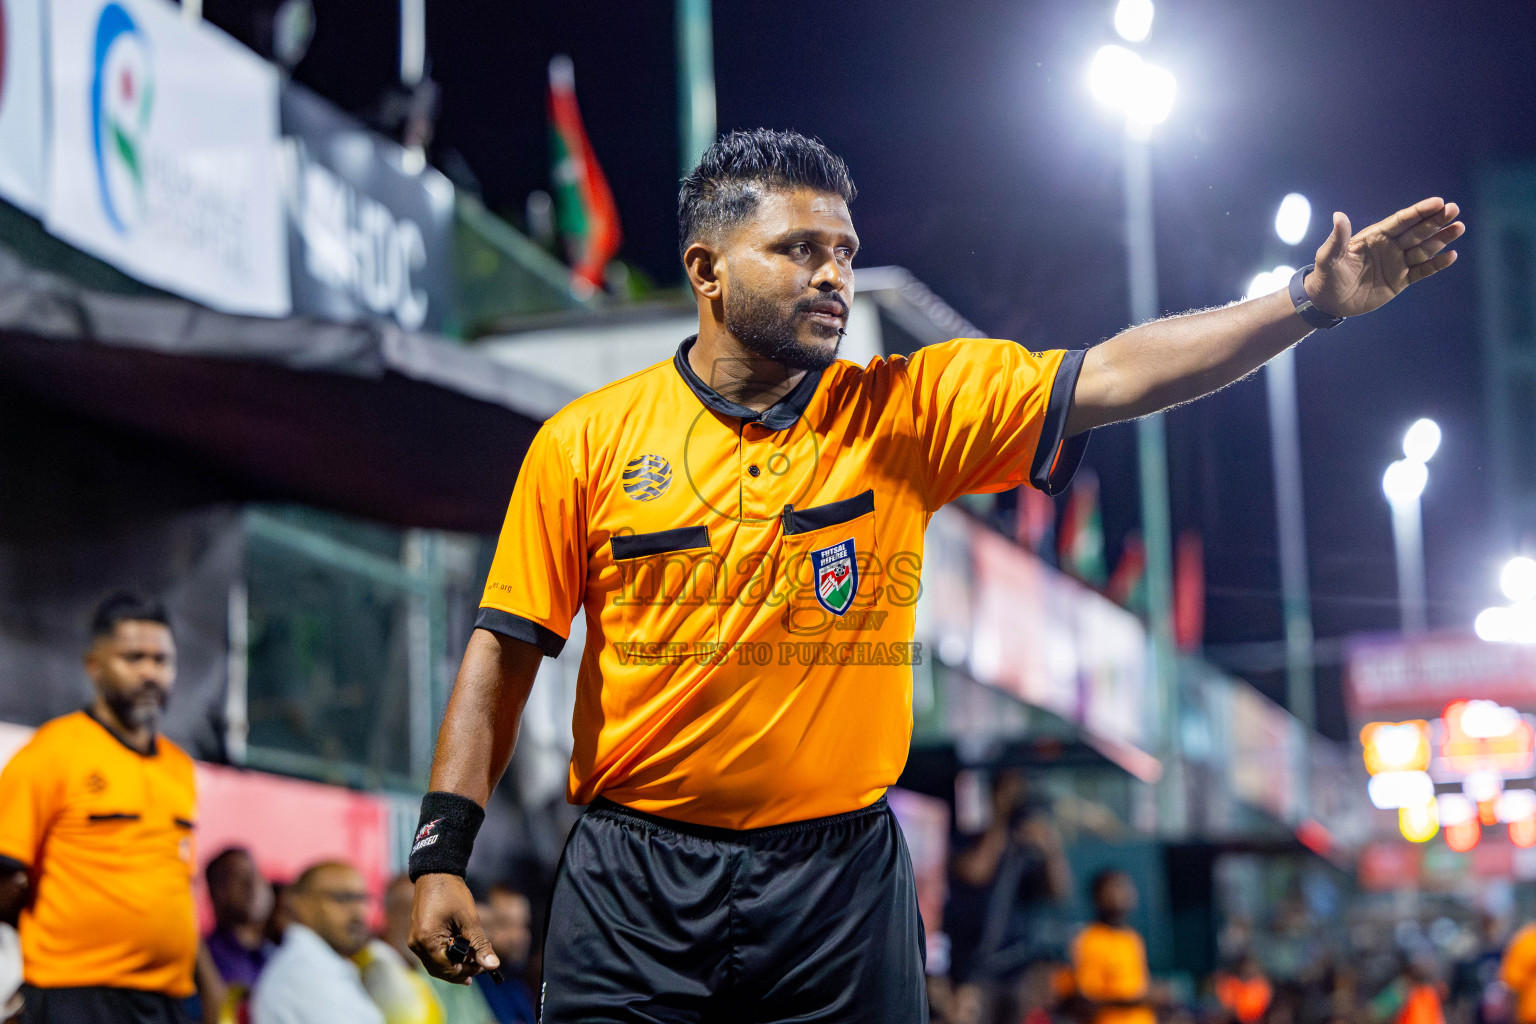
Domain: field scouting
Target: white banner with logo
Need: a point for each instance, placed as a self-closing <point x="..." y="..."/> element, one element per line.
<point x="21" y="103"/>
<point x="164" y="153"/>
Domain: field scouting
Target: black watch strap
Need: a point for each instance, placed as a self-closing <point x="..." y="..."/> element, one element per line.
<point x="1303" y="302"/>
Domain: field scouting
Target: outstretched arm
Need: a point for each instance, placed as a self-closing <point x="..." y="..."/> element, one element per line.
<point x="1180" y="358"/>
<point x="473" y="748"/>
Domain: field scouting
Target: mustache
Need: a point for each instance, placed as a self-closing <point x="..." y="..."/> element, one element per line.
<point x="809" y="305"/>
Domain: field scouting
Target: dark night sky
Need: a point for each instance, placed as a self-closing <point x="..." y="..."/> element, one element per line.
<point x="984" y="168"/>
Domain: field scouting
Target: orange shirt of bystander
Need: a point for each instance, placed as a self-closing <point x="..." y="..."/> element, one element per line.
<point x="1109" y="965"/>
<point x="1519" y="973"/>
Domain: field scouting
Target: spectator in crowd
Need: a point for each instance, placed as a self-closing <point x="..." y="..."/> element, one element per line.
<point x="241" y="901"/>
<point x="1109" y="958"/>
<point x="457" y="1004"/>
<point x="281" y="913"/>
<point x="507" y="918"/>
<point x="1519" y="973"/>
<point x="1243" y="992"/>
<point x="1477" y="994"/>
<point x="96" y="820"/>
<point x="1002" y="883"/>
<point x="312" y="979"/>
<point x="1413" y="997"/>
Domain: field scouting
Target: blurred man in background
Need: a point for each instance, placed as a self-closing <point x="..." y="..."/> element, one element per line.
<point x="508" y="920"/>
<point x="241" y="901"/>
<point x="1001" y="883"/>
<point x="457" y="1004"/>
<point x="311" y="979"/>
<point x="96" y="819"/>
<point x="1109" y="958"/>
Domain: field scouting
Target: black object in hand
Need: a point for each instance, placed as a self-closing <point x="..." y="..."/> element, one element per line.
<point x="459" y="951"/>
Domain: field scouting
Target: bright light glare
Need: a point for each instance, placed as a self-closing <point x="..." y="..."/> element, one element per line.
<point x="1392" y="790"/>
<point x="1454" y="809"/>
<point x="1516" y="805"/>
<point x="1518" y="580"/>
<point x="1270" y="281"/>
<point x="1152" y="101"/>
<point x="1133" y="19"/>
<point x="1422" y="440"/>
<point x="1120" y="79"/>
<point x="1487" y="720"/>
<point x="1483" y="787"/>
<point x="1294" y="217"/>
<point x="1507" y="625"/>
<point x="1113" y="74"/>
<point x="1418" y="824"/>
<point x="1404" y="481"/>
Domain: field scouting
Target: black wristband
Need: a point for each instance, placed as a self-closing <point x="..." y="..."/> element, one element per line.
<point x="1303" y="302"/>
<point x="444" y="835"/>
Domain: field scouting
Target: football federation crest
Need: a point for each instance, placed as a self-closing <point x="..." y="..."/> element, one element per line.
<point x="647" y="478"/>
<point x="837" y="576"/>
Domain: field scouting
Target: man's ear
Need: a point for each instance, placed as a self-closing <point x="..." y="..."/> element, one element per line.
<point x="704" y="268"/>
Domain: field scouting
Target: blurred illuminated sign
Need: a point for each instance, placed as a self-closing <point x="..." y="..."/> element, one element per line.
<point x="1478" y="743"/>
<point x="1482" y="736"/>
<point x="1396" y="746"/>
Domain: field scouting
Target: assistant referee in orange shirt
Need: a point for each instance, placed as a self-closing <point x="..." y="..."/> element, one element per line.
<point x="742" y="527"/>
<point x="96" y="819"/>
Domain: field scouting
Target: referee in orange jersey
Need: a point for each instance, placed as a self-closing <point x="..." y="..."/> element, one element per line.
<point x="96" y="818"/>
<point x="742" y="526"/>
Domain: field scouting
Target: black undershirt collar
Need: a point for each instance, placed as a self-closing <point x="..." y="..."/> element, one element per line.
<point x="779" y="416"/>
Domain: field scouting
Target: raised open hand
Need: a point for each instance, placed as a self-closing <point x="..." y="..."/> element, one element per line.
<point x="1356" y="274"/>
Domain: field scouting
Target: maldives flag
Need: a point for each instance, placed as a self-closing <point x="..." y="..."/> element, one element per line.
<point x="589" y="220"/>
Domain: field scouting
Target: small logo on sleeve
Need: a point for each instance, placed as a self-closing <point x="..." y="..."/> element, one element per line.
<point x="837" y="576"/>
<point x="427" y="835"/>
<point x="646" y="478"/>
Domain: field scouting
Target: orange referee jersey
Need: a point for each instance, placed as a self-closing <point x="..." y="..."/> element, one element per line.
<point x="749" y="579"/>
<point x="106" y="835"/>
<point x="1109" y="965"/>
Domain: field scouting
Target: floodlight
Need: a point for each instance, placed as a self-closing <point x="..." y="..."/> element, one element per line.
<point x="1422" y="440"/>
<point x="1294" y="216"/>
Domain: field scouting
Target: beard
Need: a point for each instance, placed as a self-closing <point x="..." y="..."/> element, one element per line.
<point x="139" y="709"/>
<point x="771" y="331"/>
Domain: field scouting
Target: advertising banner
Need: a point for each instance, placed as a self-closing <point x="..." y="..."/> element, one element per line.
<point x="163" y="153"/>
<point x="1391" y="675"/>
<point x="21" y="103"/>
<point x="1052" y="642"/>
<point x="370" y="233"/>
<point x="1266" y="744"/>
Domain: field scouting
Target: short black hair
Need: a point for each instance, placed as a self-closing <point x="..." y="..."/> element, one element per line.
<point x="1102" y="880"/>
<point x="724" y="189"/>
<point x="126" y="606"/>
<point x="215" y="868"/>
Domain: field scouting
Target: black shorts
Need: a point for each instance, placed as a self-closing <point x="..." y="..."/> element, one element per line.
<point x="656" y="920"/>
<point x="97" y="1004"/>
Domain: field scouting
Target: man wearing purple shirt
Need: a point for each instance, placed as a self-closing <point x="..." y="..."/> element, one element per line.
<point x="240" y="898"/>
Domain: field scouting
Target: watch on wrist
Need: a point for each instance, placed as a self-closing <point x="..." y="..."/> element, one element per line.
<point x="1303" y="302"/>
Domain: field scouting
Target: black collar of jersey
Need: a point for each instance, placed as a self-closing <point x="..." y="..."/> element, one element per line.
<point x="154" y="741"/>
<point x="779" y="416"/>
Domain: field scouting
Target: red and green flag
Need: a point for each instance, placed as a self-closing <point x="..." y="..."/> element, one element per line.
<point x="588" y="217"/>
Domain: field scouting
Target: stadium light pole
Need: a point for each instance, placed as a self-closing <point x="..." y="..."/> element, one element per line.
<point x="1403" y="484"/>
<point x="1143" y="95"/>
<point x="695" y="80"/>
<point x="1291" y="222"/>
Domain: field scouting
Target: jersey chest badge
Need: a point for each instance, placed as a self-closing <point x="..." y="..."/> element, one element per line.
<point x="647" y="477"/>
<point x="837" y="576"/>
